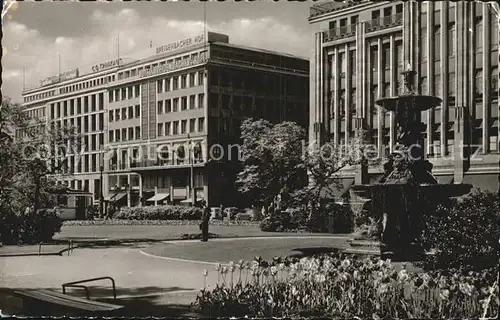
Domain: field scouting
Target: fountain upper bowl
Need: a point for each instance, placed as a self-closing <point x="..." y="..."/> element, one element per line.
<point x="420" y="102"/>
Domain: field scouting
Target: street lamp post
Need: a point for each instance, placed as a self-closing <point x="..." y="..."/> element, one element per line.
<point x="101" y="170"/>
<point x="191" y="173"/>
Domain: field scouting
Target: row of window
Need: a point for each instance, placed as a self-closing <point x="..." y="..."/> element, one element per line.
<point x="125" y="134"/>
<point x="39" y="96"/>
<point x="87" y="84"/>
<point x="183" y="81"/>
<point x="77" y="106"/>
<point x="35" y="113"/>
<point x="125" y="113"/>
<point x="135" y="72"/>
<point x="83" y="124"/>
<point x="122" y="94"/>
<point x="181" y="104"/>
<point x="172" y="128"/>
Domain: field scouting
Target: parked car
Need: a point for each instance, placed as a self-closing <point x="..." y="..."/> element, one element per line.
<point x="231" y="212"/>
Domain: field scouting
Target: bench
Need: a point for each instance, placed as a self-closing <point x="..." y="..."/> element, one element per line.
<point x="67" y="302"/>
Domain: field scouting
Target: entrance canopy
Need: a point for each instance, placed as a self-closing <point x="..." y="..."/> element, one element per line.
<point x="116" y="197"/>
<point x="158" y="197"/>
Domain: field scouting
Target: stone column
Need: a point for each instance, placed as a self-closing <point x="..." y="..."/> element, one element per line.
<point x="140" y="190"/>
<point x="156" y="192"/>
<point x="129" y="199"/>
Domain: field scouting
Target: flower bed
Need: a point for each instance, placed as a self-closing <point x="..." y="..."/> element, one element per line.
<point x="332" y="286"/>
<point x="156" y="222"/>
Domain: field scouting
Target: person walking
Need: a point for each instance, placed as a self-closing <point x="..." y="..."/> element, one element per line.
<point x="205" y="218"/>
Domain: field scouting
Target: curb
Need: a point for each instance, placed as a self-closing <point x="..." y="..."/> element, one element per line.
<point x="108" y="242"/>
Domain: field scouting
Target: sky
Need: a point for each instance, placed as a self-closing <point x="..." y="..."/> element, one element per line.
<point x="83" y="34"/>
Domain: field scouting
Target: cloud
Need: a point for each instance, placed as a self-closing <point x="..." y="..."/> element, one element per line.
<point x="98" y="42"/>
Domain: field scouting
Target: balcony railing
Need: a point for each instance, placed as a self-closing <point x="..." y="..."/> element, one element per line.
<point x="384" y="22"/>
<point x="371" y="25"/>
<point x="330" y="6"/>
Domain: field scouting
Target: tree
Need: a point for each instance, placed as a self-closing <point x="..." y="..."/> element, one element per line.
<point x="324" y="164"/>
<point x="272" y="160"/>
<point x="28" y="164"/>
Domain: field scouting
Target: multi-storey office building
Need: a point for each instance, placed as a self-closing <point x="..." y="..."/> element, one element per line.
<point x="359" y="51"/>
<point x="169" y="120"/>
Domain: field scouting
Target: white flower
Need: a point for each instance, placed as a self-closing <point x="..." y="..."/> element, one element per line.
<point x="274" y="270"/>
<point x="205" y="272"/>
<point x="355" y="275"/>
<point x="444" y="294"/>
<point x="218" y="266"/>
<point x="319" y="278"/>
<point x="345" y="263"/>
<point x="403" y="275"/>
<point x="281" y="266"/>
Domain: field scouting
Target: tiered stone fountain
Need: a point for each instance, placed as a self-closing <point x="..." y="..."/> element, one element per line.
<point x="407" y="189"/>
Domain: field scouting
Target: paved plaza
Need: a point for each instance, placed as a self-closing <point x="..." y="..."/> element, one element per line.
<point x="156" y="275"/>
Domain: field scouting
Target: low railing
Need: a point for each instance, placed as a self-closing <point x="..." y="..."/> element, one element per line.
<point x="77" y="284"/>
<point x="371" y="25"/>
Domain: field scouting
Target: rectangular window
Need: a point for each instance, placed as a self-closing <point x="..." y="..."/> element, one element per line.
<point x="110" y="115"/>
<point x="137" y="132"/>
<point x="183" y="103"/>
<point x="160" y="130"/>
<point x="183" y="126"/>
<point x="192" y="124"/>
<point x="131" y="133"/>
<point x="137" y="111"/>
<point x="124" y="134"/>
<point x="168" y="106"/>
<point x="117" y="114"/>
<point x="111" y="135"/>
<point x="175" y="83"/>
<point x="160" y="86"/>
<point x="201" y="124"/>
<point x="201" y="76"/>
<point x="160" y="107"/>
<point x="183" y="81"/>
<point x="167" y="84"/>
<point x="478" y="34"/>
<point x="192" y="101"/>
<point x="192" y="76"/>
<point x="175" y="127"/>
<point x="201" y="98"/>
<point x="451" y="39"/>
<point x="124" y="113"/>
<point x="117" y="135"/>
<point x="437" y="43"/>
<point x="175" y="107"/>
<point x="168" y="128"/>
<point x="130" y="112"/>
<point x="137" y="91"/>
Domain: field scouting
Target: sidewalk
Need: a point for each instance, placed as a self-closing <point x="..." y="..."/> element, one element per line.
<point x="32" y="250"/>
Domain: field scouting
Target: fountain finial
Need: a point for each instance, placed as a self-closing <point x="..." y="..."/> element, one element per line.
<point x="408" y="78"/>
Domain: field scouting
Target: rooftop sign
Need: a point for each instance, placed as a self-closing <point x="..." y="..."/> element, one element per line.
<point x="180" y="64"/>
<point x="106" y="65"/>
<point x="180" y="44"/>
<point x="61" y="77"/>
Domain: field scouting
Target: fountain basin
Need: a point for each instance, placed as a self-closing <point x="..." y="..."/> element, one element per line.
<point x="418" y="102"/>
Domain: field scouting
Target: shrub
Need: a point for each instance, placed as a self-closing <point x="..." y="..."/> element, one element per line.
<point x="335" y="287"/>
<point x="9" y="227"/>
<point x="464" y="232"/>
<point x="39" y="226"/>
<point x="297" y="218"/>
<point x="159" y="213"/>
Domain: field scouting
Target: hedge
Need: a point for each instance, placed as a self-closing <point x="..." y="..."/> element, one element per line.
<point x="159" y="213"/>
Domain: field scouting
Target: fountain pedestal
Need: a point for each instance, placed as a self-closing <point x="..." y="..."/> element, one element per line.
<point x="408" y="190"/>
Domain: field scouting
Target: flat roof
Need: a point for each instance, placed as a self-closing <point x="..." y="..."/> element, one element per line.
<point x="264" y="51"/>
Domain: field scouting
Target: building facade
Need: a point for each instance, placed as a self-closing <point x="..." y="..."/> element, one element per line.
<point x="359" y="51"/>
<point x="166" y="128"/>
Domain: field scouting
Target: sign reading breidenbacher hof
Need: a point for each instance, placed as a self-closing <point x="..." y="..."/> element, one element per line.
<point x="180" y="44"/>
<point x="61" y="77"/>
<point x="106" y="65"/>
<point x="180" y="64"/>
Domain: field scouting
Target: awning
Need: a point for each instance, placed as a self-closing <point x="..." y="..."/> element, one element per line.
<point x="159" y="197"/>
<point x="337" y="190"/>
<point x="444" y="179"/>
<point x="495" y="124"/>
<point x="487" y="182"/>
<point x="189" y="200"/>
<point x="118" y="196"/>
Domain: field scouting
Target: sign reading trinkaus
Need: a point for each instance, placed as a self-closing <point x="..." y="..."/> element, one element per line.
<point x="180" y="44"/>
<point x="184" y="63"/>
<point x="61" y="77"/>
<point x="106" y="65"/>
